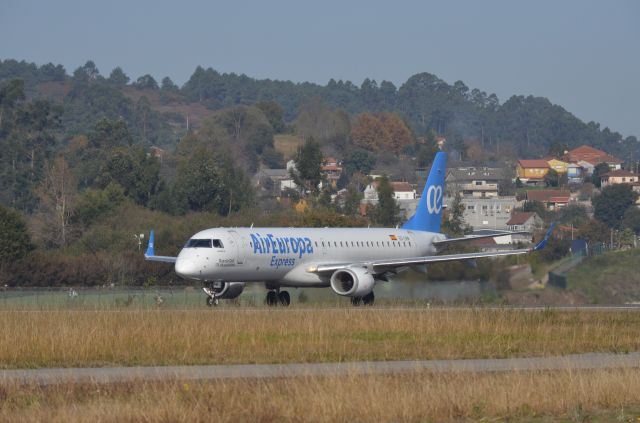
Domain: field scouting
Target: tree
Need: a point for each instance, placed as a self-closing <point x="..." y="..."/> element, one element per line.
<point x="534" y="206"/>
<point x="57" y="195"/>
<point x="613" y="202"/>
<point x="552" y="179"/>
<point x="168" y="85"/>
<point x="632" y="219"/>
<point x="381" y="131"/>
<point x="386" y="212"/>
<point x="15" y="242"/>
<point x="274" y="114"/>
<point x="11" y="94"/>
<point x="132" y="169"/>
<point x="573" y="214"/>
<point x="506" y="185"/>
<point x="455" y="224"/>
<point x="146" y="82"/>
<point x="359" y="160"/>
<point x="352" y="201"/>
<point x="599" y="170"/>
<point x="594" y="231"/>
<point x="87" y="73"/>
<point x="308" y="165"/>
<point x="118" y="77"/>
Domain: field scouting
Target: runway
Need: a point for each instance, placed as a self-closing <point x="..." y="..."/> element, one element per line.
<point x="589" y="361"/>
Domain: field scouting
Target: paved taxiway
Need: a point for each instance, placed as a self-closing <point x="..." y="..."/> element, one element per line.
<point x="587" y="361"/>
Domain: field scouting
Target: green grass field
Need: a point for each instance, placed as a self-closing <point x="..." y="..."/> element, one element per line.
<point x="610" y="278"/>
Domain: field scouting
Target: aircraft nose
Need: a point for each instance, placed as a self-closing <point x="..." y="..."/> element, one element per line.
<point x="186" y="268"/>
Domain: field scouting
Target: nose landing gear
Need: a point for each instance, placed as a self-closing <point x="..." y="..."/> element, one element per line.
<point x="212" y="302"/>
<point x="277" y="297"/>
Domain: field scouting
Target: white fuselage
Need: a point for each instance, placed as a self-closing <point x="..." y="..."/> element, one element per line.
<point x="284" y="255"/>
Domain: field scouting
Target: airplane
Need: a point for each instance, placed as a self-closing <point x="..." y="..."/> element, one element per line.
<point x="348" y="260"/>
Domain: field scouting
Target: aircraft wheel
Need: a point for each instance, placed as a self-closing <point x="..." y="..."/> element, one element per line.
<point x="356" y="301"/>
<point x="272" y="298"/>
<point x="284" y="298"/>
<point x="368" y="299"/>
<point x="212" y="301"/>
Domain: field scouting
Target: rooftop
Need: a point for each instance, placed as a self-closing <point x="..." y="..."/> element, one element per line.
<point x="619" y="173"/>
<point x="535" y="163"/>
<point x="520" y="218"/>
<point x="549" y="195"/>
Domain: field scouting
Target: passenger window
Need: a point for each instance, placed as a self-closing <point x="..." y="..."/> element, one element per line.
<point x="316" y="243"/>
<point x="217" y="243"/>
<point x="323" y="243"/>
<point x="341" y="243"/>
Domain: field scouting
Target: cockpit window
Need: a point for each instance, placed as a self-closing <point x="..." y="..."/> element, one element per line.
<point x="217" y="243"/>
<point x="198" y="243"/>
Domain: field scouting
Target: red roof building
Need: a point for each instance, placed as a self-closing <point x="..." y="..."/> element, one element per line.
<point x="592" y="155"/>
<point x="551" y="198"/>
<point x="619" y="177"/>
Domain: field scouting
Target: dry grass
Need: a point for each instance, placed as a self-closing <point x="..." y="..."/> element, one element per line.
<point x="287" y="144"/>
<point x="527" y="396"/>
<point x="99" y="338"/>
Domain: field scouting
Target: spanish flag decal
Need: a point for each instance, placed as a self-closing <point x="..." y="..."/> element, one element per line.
<point x="393" y="237"/>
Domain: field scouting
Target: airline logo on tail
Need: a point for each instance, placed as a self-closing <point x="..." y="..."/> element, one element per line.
<point x="428" y="214"/>
<point x="434" y="199"/>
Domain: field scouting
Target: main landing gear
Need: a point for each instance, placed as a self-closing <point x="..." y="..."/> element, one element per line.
<point x="278" y="298"/>
<point x="366" y="300"/>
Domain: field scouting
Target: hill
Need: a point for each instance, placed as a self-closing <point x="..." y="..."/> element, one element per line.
<point x="524" y="126"/>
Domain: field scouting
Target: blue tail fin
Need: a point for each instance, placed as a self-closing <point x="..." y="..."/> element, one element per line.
<point x="150" y="249"/>
<point x="429" y="212"/>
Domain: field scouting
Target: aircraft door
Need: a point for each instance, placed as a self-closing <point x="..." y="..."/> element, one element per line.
<point x="239" y="246"/>
<point x="323" y="247"/>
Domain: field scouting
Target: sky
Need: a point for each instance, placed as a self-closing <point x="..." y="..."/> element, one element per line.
<point x="583" y="55"/>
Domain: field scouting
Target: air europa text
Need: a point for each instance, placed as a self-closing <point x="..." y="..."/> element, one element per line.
<point x="270" y="244"/>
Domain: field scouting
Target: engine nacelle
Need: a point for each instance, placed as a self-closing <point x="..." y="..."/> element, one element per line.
<point x="352" y="282"/>
<point x="228" y="290"/>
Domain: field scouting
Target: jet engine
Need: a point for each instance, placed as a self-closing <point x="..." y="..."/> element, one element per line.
<point x="352" y="282"/>
<point x="228" y="290"/>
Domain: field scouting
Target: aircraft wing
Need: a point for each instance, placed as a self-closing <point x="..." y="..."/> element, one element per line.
<point x="379" y="266"/>
<point x="149" y="255"/>
<point x="164" y="259"/>
<point x="474" y="237"/>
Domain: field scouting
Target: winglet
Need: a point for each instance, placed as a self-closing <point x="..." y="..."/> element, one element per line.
<point x="540" y="245"/>
<point x="150" y="250"/>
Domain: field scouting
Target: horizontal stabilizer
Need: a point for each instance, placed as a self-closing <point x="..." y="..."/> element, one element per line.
<point x="149" y="255"/>
<point x="475" y="237"/>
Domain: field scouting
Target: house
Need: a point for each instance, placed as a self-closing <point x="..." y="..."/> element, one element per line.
<point x="551" y="198"/>
<point x="402" y="191"/>
<point x="574" y="173"/>
<point x="532" y="172"/>
<point x="331" y="170"/>
<point x="524" y="221"/>
<point x="474" y="182"/>
<point x="618" y="177"/>
<point x="274" y="181"/>
<point x="558" y="165"/>
<point x="587" y="168"/>
<point x="487" y="213"/>
<point x="594" y="156"/>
